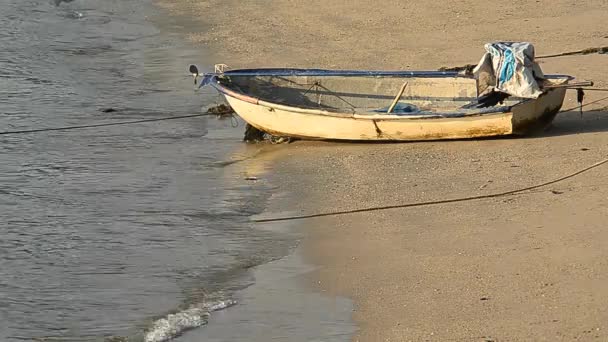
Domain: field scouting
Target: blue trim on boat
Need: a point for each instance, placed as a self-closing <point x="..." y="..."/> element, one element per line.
<point x="347" y="73"/>
<point x="324" y="72"/>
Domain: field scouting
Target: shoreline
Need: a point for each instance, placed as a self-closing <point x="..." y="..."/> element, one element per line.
<point x="269" y="298"/>
<point x="517" y="268"/>
<point x="265" y="260"/>
<point x="277" y="303"/>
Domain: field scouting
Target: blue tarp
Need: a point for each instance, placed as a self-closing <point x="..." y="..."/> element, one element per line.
<point x="402" y="109"/>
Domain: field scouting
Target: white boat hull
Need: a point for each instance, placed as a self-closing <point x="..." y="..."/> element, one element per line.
<point x="282" y="120"/>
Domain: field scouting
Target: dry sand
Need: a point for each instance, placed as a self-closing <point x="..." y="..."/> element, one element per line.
<point x="526" y="267"/>
<point x="520" y="268"/>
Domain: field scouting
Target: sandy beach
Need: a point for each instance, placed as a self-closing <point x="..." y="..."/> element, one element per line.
<point x="525" y="267"/>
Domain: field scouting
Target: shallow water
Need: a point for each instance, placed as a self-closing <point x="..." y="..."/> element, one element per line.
<point x="106" y="232"/>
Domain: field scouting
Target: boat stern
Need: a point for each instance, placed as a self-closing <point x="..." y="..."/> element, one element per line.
<point x="535" y="115"/>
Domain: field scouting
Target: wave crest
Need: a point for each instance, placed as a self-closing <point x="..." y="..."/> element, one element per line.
<point x="177" y="323"/>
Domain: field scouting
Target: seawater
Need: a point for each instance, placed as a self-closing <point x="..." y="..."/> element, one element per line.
<point x="135" y="232"/>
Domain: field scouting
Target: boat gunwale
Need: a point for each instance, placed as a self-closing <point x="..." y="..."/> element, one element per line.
<point x="213" y="80"/>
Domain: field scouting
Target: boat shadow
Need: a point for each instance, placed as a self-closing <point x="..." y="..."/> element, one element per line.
<point x="571" y="123"/>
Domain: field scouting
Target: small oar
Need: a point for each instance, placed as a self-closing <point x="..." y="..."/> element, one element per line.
<point x="396" y="100"/>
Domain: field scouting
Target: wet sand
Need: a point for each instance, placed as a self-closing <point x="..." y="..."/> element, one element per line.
<point x="525" y="267"/>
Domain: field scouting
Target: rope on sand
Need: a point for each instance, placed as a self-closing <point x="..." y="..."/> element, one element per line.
<point x="586" y="104"/>
<point x="454" y="200"/>
<point x="428" y="203"/>
<point x="588" y="51"/>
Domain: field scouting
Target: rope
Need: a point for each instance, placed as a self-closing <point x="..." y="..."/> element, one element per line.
<point x="588" y="51"/>
<point x="584" y="105"/>
<point x="353" y="108"/>
<point x="421" y="204"/>
<point x="101" y="124"/>
<point x="600" y="50"/>
<point x="462" y="199"/>
<point x="592" y="89"/>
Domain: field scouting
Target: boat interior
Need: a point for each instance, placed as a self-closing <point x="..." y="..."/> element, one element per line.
<point x="371" y="95"/>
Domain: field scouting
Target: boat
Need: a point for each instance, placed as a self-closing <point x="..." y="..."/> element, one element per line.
<point x="380" y="105"/>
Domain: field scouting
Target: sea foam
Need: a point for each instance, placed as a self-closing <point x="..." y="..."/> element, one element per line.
<point x="175" y="324"/>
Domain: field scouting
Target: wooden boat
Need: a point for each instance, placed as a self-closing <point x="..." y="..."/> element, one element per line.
<point x="379" y="105"/>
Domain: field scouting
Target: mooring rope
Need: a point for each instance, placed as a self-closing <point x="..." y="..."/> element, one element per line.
<point x="588" y="51"/>
<point x="428" y="203"/>
<point x="65" y="128"/>
<point x="461" y="199"/>
<point x="592" y="89"/>
<point x="584" y="105"/>
<point x="599" y="50"/>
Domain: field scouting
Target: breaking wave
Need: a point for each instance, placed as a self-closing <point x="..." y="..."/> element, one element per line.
<point x="175" y="324"/>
